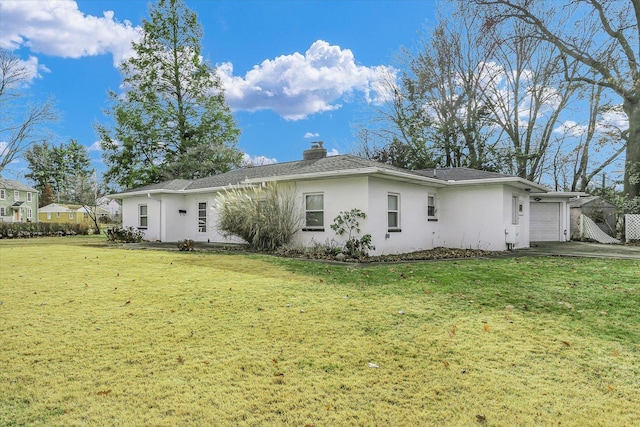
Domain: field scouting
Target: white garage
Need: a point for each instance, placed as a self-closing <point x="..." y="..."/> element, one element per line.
<point x="549" y="217"/>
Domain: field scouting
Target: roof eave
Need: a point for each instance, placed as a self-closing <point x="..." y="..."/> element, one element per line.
<point x="348" y="172"/>
<point x="561" y="194"/>
<point x="516" y="181"/>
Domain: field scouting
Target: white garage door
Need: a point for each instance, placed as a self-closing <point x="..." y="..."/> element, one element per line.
<point x="545" y="222"/>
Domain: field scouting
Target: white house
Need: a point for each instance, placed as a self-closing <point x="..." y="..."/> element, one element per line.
<point x="406" y="210"/>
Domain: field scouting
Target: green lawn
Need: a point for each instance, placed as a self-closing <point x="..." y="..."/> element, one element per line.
<point x="92" y="334"/>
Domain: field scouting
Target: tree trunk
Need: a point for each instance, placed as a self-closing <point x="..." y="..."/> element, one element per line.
<point x="632" y="162"/>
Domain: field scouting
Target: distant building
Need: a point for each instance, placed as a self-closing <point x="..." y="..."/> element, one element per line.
<point x="68" y="214"/>
<point x="18" y="202"/>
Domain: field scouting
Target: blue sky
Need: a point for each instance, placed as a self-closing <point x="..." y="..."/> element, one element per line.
<point x="72" y="49"/>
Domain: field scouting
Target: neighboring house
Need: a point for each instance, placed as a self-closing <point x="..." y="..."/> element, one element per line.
<point x="111" y="206"/>
<point x="599" y="210"/>
<point x="406" y="210"/>
<point x="68" y="214"/>
<point x="18" y="202"/>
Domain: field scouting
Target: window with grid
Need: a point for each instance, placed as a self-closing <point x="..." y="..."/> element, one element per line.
<point x="202" y="217"/>
<point x="393" y="211"/>
<point x="314" y="211"/>
<point x="142" y="217"/>
<point x="431" y="206"/>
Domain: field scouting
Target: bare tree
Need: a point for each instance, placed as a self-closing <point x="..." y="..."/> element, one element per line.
<point x="21" y="123"/>
<point x="435" y="111"/>
<point x="599" y="144"/>
<point x="599" y="38"/>
<point x="527" y="95"/>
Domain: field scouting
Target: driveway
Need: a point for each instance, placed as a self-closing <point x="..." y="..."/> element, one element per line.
<point x="582" y="249"/>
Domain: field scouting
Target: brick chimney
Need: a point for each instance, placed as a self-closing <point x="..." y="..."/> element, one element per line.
<point x="316" y="152"/>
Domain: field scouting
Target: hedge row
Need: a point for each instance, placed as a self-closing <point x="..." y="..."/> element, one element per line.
<point x="16" y="230"/>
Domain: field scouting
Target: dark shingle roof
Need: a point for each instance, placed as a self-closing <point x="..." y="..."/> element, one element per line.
<point x="460" y="174"/>
<point x="326" y="164"/>
<point x="300" y="167"/>
<point x="174" y="184"/>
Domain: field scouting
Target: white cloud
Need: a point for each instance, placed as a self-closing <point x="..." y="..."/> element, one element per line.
<point x="333" y="152"/>
<point x="571" y="128"/>
<point x="611" y="121"/>
<point x="296" y="86"/>
<point x="248" y="160"/>
<point x="59" y="28"/>
<point x="95" y="146"/>
<point x="311" y="135"/>
<point x="32" y="70"/>
<point x="614" y="119"/>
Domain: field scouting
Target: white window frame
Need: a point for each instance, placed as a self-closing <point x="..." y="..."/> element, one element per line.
<point x="16" y="195"/>
<point x="307" y="225"/>
<point x="202" y="217"/>
<point x="29" y="213"/>
<point x="48" y="215"/>
<point x="3" y="211"/>
<point x="70" y="215"/>
<point x="396" y="211"/>
<point x="29" y="197"/>
<point x="143" y="225"/>
<point x="3" y="194"/>
<point x="432" y="213"/>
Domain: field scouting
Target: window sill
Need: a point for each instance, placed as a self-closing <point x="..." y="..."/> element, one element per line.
<point x="432" y="219"/>
<point x="394" y="230"/>
<point x="142" y="228"/>
<point x="313" y="229"/>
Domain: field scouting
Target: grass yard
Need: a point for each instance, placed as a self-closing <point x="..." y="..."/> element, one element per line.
<point x="101" y="336"/>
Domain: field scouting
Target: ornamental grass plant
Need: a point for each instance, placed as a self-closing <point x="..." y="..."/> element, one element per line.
<point x="266" y="217"/>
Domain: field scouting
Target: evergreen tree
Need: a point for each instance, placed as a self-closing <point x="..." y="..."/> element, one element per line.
<point x="172" y="114"/>
<point x="47" y="196"/>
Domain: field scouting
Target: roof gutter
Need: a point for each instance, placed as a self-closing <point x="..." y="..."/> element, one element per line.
<point x="348" y="172"/>
<point x="517" y="181"/>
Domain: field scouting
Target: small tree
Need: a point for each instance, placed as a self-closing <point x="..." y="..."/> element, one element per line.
<point x="266" y="217"/>
<point x="347" y="223"/>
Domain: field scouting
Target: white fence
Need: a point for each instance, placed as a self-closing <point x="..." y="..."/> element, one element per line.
<point x="632" y="227"/>
<point x="590" y="230"/>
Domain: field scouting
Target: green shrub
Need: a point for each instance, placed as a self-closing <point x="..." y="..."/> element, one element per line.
<point x="18" y="230"/>
<point x="124" y="235"/>
<point x="347" y="223"/>
<point x="266" y="217"/>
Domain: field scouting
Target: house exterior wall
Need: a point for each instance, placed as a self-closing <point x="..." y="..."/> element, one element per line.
<point x="130" y="217"/>
<point x="467" y="216"/>
<point x="339" y="195"/>
<point x="480" y="217"/>
<point x="415" y="231"/>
